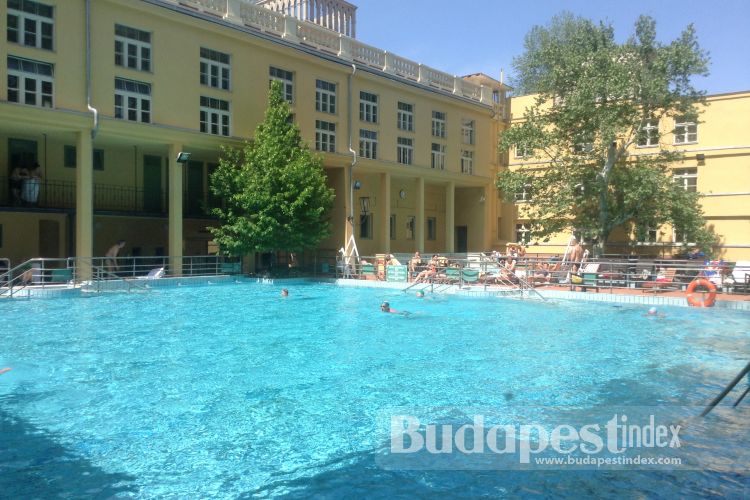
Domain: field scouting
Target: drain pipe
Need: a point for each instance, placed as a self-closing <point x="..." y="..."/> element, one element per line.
<point x="88" y="71"/>
<point x="351" y="150"/>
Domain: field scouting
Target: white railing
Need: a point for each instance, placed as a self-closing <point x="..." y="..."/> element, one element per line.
<point x="323" y="39"/>
<point x="435" y="78"/>
<point x="263" y="19"/>
<point x="217" y="7"/>
<point x="402" y="67"/>
<point x="246" y="13"/>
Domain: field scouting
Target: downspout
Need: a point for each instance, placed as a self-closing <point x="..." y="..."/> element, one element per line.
<point x="88" y="71"/>
<point x="351" y="150"/>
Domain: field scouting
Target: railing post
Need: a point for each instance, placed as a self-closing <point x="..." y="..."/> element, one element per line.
<point x="388" y="62"/>
<point x="457" y="85"/>
<point x="290" y="29"/>
<point x="345" y="48"/>
<point x="420" y="77"/>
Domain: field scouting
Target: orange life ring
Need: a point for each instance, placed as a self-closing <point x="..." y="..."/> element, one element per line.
<point x="700" y="301"/>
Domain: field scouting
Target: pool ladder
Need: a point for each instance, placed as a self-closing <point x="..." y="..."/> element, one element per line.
<point x="728" y="389"/>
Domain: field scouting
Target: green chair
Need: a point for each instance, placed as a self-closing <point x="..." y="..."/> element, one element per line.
<point x="61" y="275"/>
<point x="470" y="275"/>
<point x="368" y="271"/>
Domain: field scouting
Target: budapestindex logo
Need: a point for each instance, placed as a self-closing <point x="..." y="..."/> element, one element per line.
<point x="641" y="438"/>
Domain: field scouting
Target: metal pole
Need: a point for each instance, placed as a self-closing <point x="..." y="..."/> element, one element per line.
<point x="726" y="391"/>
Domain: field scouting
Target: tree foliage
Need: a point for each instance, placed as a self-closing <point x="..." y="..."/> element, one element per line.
<point x="273" y="190"/>
<point x="594" y="98"/>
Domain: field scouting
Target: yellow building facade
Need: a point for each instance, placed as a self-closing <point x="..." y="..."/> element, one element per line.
<point x="104" y="95"/>
<point x="716" y="163"/>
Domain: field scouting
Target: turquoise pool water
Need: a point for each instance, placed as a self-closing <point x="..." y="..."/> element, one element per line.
<point x="232" y="391"/>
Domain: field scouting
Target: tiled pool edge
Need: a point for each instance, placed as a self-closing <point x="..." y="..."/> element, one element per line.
<point x="556" y="295"/>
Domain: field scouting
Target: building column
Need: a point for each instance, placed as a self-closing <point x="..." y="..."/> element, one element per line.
<point x="384" y="211"/>
<point x="450" y="217"/>
<point x="84" y="204"/>
<point x="420" y="222"/>
<point x="175" y="210"/>
<point x="490" y="218"/>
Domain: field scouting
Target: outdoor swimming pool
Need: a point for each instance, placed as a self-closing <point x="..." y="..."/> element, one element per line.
<point x="233" y="391"/>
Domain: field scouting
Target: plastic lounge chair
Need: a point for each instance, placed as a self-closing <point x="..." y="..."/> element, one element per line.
<point x="61" y="275"/>
<point x="449" y="275"/>
<point x="662" y="284"/>
<point x="470" y="276"/>
<point x="740" y="278"/>
<point x="155" y="274"/>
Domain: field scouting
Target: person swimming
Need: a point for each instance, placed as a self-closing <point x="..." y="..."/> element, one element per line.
<point x="386" y="308"/>
<point x="420" y="294"/>
<point x="284" y="292"/>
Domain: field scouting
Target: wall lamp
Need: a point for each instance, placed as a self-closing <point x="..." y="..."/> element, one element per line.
<point x="182" y="157"/>
<point x="357" y="185"/>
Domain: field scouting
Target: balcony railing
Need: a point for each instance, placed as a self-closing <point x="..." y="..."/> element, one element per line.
<point x="245" y="13"/>
<point x="107" y="197"/>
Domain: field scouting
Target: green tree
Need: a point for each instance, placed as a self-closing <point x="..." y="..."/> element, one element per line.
<point x="595" y="101"/>
<point x="274" y="190"/>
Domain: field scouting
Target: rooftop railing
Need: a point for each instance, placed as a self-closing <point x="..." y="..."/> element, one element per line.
<point x="245" y="13"/>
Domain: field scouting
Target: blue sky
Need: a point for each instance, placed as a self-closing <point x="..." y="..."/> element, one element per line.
<point x="471" y="36"/>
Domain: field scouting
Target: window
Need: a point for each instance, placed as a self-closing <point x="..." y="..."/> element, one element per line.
<point x="214" y="116"/>
<point x="647" y="235"/>
<point x="405" y="117"/>
<point x="438" y="156"/>
<point x="325" y="97"/>
<point x="287" y="81"/>
<point x="404" y="150"/>
<point x="438" y="124"/>
<point x="368" y="107"/>
<point x="648" y="136"/>
<point x="368" y="144"/>
<point x="522" y="151"/>
<point x="70" y="159"/>
<point x="325" y="136"/>
<point x="523" y="234"/>
<point x="365" y="226"/>
<point x="132" y="100"/>
<point x="467" y="131"/>
<point x="410" y="222"/>
<point x="687" y="178"/>
<point x="30" y="23"/>
<point x="215" y="69"/>
<point x="467" y="162"/>
<point x="679" y="236"/>
<point x="132" y="48"/>
<point x="685" y="130"/>
<point x="431" y="228"/>
<point x="392" y="227"/>
<point x="524" y="195"/>
<point x="30" y="82"/>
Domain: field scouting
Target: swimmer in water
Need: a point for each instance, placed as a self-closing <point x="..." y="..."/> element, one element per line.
<point x="284" y="292"/>
<point x="654" y="312"/>
<point x="420" y="294"/>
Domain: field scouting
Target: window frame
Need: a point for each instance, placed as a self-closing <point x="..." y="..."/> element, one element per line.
<point x="682" y="128"/>
<point x="28" y="70"/>
<point x="22" y="15"/>
<point x="468" y="131"/>
<point x="405" y="116"/>
<point x="368" y="144"/>
<point x="209" y="111"/>
<point x="286" y="77"/>
<point x="687" y="178"/>
<point x="126" y="95"/>
<point x="325" y="136"/>
<point x="439" y="121"/>
<point x="366" y="223"/>
<point x="524" y="232"/>
<point x="368" y="107"/>
<point x="648" y="136"/>
<point x="211" y="60"/>
<point x="325" y="96"/>
<point x="467" y="162"/>
<point x="132" y="38"/>
<point x="437" y="157"/>
<point x="405" y="150"/>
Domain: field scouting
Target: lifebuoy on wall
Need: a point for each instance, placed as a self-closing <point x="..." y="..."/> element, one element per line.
<point x="699" y="300"/>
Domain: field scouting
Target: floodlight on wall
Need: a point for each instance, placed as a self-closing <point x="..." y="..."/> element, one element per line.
<point x="357" y="185"/>
<point x="700" y="157"/>
<point x="182" y="157"/>
<point x="402" y="194"/>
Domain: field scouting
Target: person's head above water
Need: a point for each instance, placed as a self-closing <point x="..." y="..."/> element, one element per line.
<point x="652" y="311"/>
<point x="420" y="294"/>
<point x="385" y="307"/>
<point x="284" y="292"/>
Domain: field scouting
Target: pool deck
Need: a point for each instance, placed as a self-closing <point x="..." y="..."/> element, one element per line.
<point x="619" y="295"/>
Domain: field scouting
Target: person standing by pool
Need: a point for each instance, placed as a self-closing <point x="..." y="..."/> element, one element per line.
<point x="17" y="177"/>
<point x="110" y="258"/>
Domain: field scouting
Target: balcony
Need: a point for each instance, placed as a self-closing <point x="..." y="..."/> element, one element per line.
<point x="61" y="195"/>
<point x="245" y="14"/>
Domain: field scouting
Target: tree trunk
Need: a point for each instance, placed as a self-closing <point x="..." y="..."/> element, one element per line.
<point x="604" y="226"/>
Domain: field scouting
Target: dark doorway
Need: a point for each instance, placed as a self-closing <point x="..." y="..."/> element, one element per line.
<point x="152" y="193"/>
<point x="21" y="153"/>
<point x="194" y="202"/>
<point x="462" y="239"/>
<point x="49" y="239"/>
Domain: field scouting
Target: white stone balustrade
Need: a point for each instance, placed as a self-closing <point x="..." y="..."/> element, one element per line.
<point x="293" y="30"/>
